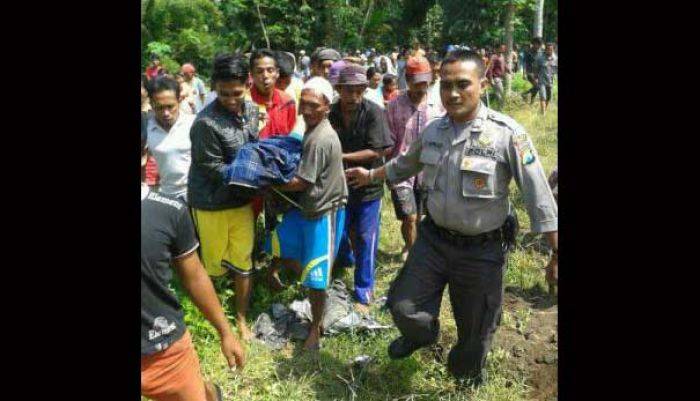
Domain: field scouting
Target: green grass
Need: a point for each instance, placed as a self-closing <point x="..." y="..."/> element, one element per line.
<point x="290" y="375"/>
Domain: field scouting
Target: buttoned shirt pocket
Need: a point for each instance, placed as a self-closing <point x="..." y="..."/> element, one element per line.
<point x="478" y="177"/>
<point x="430" y="159"/>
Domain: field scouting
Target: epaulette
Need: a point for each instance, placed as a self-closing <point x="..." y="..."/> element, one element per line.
<point x="506" y="121"/>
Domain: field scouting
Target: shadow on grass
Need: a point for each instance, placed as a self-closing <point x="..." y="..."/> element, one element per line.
<point x="536" y="296"/>
<point x="335" y="379"/>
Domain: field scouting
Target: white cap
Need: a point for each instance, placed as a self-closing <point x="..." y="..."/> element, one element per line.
<point x="322" y="86"/>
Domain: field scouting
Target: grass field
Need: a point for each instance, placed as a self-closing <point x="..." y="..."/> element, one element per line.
<point x="291" y="375"/>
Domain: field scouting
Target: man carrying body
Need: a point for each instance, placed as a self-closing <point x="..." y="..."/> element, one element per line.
<point x="224" y="217"/>
<point x="407" y="116"/>
<point x="169" y="137"/>
<point x="169" y="364"/>
<point x="198" y="91"/>
<point x="364" y="134"/>
<point x="468" y="159"/>
<point x="309" y="237"/>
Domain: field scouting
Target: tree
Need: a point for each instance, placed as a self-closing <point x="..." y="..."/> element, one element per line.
<point x="539" y="14"/>
<point x="432" y="28"/>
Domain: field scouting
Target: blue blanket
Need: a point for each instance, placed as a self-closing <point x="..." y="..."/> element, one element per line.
<point x="271" y="161"/>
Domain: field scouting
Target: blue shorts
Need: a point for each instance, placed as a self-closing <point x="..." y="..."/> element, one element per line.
<point x="313" y="243"/>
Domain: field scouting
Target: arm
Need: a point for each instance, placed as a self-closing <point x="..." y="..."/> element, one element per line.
<point x="539" y="201"/>
<point x="296" y="184"/>
<point x="199" y="287"/>
<point x="207" y="152"/>
<point x="364" y="156"/>
<point x="396" y="170"/>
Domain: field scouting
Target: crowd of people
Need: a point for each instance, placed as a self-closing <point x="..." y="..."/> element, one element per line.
<point x="414" y="120"/>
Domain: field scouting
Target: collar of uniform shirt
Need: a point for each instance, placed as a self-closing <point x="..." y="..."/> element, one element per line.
<point x="460" y="131"/>
<point x="156" y="126"/>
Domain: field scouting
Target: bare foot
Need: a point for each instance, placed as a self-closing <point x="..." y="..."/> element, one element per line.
<point x="246" y="334"/>
<point x="313" y="341"/>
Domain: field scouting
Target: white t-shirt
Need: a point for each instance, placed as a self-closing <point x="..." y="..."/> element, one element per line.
<point x="435" y="106"/>
<point x="373" y="95"/>
<point x="172" y="151"/>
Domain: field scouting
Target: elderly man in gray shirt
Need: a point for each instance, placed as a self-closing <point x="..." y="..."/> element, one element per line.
<point x="468" y="159"/>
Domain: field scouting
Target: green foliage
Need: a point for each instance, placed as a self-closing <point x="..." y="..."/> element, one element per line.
<point x="196" y="30"/>
<point x="432" y="28"/>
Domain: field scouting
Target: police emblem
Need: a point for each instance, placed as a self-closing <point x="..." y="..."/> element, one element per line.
<point x="479" y="183"/>
<point x="527" y="157"/>
<point x="484" y="140"/>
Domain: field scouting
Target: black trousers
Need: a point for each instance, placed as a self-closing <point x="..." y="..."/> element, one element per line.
<point x="474" y="273"/>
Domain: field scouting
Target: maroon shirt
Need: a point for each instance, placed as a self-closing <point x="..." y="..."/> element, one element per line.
<point x="498" y="66"/>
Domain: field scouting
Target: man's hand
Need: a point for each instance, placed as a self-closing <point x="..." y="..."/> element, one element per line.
<point x="233" y="351"/>
<point x="357" y="177"/>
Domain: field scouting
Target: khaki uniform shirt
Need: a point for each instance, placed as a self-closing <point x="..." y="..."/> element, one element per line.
<point x="467" y="170"/>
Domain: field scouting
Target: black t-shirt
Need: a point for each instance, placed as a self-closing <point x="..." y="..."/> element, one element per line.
<point x="167" y="233"/>
<point x="371" y="131"/>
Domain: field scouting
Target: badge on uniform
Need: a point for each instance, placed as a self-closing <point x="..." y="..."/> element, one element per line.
<point x="527" y="157"/>
<point x="479" y="183"/>
<point x="484" y="140"/>
<point x="466" y="163"/>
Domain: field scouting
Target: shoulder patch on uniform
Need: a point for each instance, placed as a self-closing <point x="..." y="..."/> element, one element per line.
<point x="166" y="201"/>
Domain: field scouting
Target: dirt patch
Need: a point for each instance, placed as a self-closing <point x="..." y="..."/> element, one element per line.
<point x="529" y="332"/>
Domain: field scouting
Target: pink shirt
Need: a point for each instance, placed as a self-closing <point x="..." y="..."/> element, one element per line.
<point x="406" y="122"/>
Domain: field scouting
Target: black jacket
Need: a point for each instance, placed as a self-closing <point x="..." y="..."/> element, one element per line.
<point x="216" y="136"/>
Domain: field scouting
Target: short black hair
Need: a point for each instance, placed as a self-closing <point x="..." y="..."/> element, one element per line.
<point x="465" y="55"/>
<point x="260" y="53"/>
<point x="371" y="71"/>
<point x="163" y="83"/>
<point x="285" y="62"/>
<point x="389" y="79"/>
<point x="230" y="67"/>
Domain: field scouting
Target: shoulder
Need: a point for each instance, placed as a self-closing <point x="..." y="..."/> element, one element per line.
<point x="431" y="132"/>
<point x="373" y="109"/>
<point x="505" y="124"/>
<point x="284" y="99"/>
<point x="165" y="202"/>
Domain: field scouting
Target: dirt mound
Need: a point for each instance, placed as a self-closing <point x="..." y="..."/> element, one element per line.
<point x="528" y="331"/>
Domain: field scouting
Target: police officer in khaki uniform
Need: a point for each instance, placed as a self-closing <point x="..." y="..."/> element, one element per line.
<point x="468" y="158"/>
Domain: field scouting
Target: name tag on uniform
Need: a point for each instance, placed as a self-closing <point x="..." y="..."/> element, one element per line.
<point x="483" y="152"/>
<point x="478" y="164"/>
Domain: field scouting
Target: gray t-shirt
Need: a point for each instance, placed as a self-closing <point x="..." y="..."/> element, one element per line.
<point x="322" y="165"/>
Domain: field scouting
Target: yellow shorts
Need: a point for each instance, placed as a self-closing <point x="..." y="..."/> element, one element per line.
<point x="226" y="238"/>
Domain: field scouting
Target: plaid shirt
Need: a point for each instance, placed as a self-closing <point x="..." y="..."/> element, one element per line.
<point x="406" y="121"/>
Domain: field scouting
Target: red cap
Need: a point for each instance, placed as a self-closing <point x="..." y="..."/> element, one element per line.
<point x="418" y="68"/>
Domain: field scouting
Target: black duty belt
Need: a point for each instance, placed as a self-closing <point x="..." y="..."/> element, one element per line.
<point x="461" y="239"/>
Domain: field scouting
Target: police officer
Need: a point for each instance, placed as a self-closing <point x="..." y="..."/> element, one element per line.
<point x="468" y="158"/>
